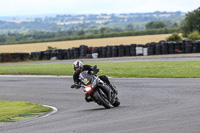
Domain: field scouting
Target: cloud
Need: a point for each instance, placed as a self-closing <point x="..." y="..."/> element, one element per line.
<point x="24" y="7"/>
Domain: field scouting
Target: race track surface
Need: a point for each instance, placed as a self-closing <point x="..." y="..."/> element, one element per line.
<point x="147" y="106"/>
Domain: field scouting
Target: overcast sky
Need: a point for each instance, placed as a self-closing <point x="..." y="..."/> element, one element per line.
<point x="36" y="7"/>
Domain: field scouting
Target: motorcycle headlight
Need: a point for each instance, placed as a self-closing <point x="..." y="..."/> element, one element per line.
<point x="88" y="88"/>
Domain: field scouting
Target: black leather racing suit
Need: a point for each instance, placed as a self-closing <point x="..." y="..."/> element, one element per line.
<point x="89" y="68"/>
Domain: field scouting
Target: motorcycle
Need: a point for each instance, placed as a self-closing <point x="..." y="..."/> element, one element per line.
<point x="97" y="90"/>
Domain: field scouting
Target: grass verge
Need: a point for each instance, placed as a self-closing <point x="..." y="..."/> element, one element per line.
<point x="12" y="109"/>
<point x="154" y="69"/>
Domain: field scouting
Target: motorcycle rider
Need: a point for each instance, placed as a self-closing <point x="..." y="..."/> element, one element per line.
<point x="79" y="67"/>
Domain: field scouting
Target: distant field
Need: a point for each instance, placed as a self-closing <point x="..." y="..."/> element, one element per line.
<point x="35" y="47"/>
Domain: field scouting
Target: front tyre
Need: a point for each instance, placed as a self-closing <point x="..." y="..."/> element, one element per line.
<point x="101" y="99"/>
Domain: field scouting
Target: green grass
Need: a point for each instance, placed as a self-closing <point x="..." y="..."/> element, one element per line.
<point x="11" y="109"/>
<point x="159" y="69"/>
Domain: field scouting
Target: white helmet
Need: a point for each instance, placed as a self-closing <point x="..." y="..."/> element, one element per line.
<point x="78" y="66"/>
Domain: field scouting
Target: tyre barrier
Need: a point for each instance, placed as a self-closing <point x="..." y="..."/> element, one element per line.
<point x="127" y="50"/>
<point x="152" y="48"/>
<point x="139" y="50"/>
<point x="83" y="51"/>
<point x="165" y="48"/>
<point x="158" y="48"/>
<point x="121" y="50"/>
<point x="14" y="57"/>
<point x="104" y="52"/>
<point x="171" y="48"/>
<point x="178" y="48"/>
<point x="133" y="49"/>
<point x="35" y="55"/>
<point x="115" y="51"/>
<point x="109" y="51"/>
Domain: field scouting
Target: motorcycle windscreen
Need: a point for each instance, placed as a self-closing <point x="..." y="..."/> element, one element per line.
<point x="85" y="77"/>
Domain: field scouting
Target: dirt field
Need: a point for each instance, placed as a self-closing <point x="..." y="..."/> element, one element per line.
<point x="35" y="47"/>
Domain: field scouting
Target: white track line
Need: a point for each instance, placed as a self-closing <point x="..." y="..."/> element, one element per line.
<point x="52" y="112"/>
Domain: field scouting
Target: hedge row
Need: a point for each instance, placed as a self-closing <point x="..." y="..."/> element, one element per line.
<point x="159" y="48"/>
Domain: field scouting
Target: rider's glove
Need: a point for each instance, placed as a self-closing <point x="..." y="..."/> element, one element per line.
<point x="96" y="70"/>
<point x="76" y="86"/>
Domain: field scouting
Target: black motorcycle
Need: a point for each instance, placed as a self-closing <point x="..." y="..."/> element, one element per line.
<point x="97" y="90"/>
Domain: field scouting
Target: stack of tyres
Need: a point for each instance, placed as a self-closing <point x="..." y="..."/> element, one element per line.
<point x="71" y="53"/>
<point x="95" y="53"/>
<point x="159" y="48"/>
<point x="83" y="51"/>
<point x="195" y="47"/>
<point x="89" y="52"/>
<point x="89" y="56"/>
<point x="198" y="42"/>
<point x="35" y="56"/>
<point x="109" y="51"/>
<point x="133" y="49"/>
<point x="100" y="52"/>
<point x="178" y="48"/>
<point x="183" y="46"/>
<point x="121" y="50"/>
<point x="104" y="52"/>
<point x="6" y="57"/>
<point x="145" y="50"/>
<point x="188" y="46"/>
<point x="127" y="50"/>
<point x="171" y="47"/>
<point x="42" y="56"/>
<point x="65" y="54"/>
<point x="47" y="54"/>
<point x="94" y="50"/>
<point x="68" y="54"/>
<point x="15" y="57"/>
<point x="139" y="50"/>
<point x="114" y="51"/>
<point x="151" y="48"/>
<point x="24" y="56"/>
<point x="53" y="54"/>
<point x="60" y="54"/>
<point x="165" y="48"/>
<point x="76" y="53"/>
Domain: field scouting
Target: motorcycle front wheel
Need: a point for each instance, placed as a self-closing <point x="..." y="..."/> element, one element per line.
<point x="102" y="99"/>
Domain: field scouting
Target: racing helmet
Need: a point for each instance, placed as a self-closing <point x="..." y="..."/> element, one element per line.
<point x="78" y="66"/>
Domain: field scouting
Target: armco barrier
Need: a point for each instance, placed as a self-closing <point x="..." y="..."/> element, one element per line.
<point x="152" y="48"/>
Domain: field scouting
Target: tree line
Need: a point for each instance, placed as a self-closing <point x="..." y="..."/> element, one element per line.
<point x="187" y="26"/>
<point x="54" y="36"/>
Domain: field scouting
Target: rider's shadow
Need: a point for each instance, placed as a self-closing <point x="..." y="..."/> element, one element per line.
<point x="103" y="109"/>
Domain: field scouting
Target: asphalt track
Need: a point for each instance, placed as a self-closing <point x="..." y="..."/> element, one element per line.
<point x="147" y="106"/>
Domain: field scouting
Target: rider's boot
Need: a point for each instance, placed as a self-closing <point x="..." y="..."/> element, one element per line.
<point x="114" y="89"/>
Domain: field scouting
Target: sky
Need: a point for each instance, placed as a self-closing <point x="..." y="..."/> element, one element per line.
<point x="37" y="7"/>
